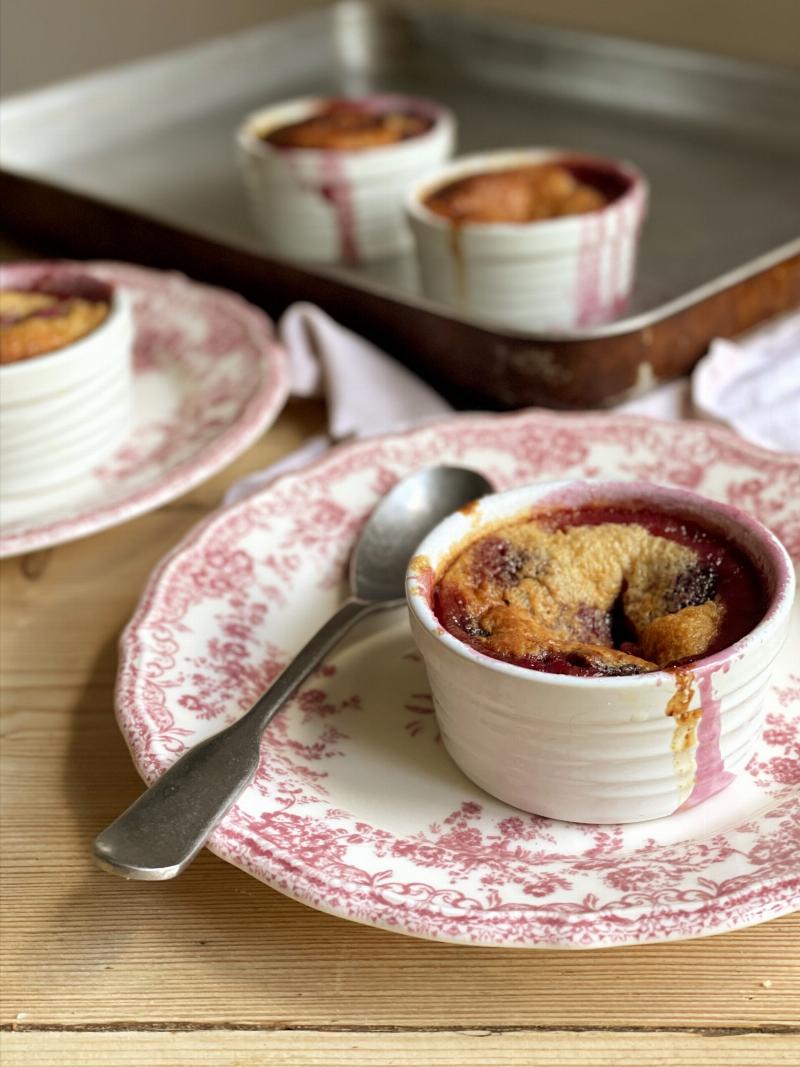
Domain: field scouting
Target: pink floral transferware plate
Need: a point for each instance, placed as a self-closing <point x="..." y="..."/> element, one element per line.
<point x="356" y="808"/>
<point x="208" y="380"/>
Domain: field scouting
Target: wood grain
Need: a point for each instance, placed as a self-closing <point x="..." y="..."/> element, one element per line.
<point x="447" y="1049"/>
<point x="217" y="968"/>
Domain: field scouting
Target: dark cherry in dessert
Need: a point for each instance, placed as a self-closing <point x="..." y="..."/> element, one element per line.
<point x="350" y="125"/>
<point x="527" y="193"/>
<point x="600" y="590"/>
<point x="55" y="311"/>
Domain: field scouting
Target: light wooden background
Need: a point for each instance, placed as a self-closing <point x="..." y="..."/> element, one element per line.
<point x="215" y="968"/>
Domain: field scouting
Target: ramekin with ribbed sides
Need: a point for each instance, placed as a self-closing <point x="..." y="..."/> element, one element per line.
<point x="64" y="411"/>
<point x="337" y="204"/>
<point x="562" y="272"/>
<point x="600" y="749"/>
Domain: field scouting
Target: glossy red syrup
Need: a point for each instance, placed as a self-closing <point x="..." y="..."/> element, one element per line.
<point x="336" y="190"/>
<point x="722" y="571"/>
<point x="607" y="180"/>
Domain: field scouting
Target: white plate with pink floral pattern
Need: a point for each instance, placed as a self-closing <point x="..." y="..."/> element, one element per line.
<point x="209" y="378"/>
<point x="356" y="808"/>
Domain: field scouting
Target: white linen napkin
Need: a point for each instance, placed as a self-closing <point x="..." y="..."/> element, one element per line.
<point x="367" y="392"/>
<point x="752" y="384"/>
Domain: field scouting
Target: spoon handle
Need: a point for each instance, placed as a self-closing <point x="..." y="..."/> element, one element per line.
<point x="161" y="832"/>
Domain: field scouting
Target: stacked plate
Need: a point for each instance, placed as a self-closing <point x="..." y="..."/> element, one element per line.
<point x="176" y="381"/>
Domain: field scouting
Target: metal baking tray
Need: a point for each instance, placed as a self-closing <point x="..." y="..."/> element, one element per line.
<point x="138" y="163"/>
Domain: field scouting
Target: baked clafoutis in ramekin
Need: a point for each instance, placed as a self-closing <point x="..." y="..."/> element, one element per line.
<point x="66" y="342"/>
<point x="537" y="239"/>
<point x="599" y="651"/>
<point x="326" y="176"/>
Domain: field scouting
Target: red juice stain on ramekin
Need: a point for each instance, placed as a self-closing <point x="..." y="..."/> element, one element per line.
<point x="597" y="232"/>
<point x="710" y="774"/>
<point x="589" y="278"/>
<point x="336" y="189"/>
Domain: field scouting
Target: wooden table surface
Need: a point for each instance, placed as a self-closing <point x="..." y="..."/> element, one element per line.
<point x="215" y="967"/>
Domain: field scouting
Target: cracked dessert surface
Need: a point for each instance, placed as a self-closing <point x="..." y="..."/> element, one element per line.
<point x="57" y="312"/>
<point x="349" y="126"/>
<point x="599" y="591"/>
<point x="518" y="194"/>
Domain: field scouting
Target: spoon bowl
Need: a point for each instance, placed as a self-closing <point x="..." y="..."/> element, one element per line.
<point x="400" y="521"/>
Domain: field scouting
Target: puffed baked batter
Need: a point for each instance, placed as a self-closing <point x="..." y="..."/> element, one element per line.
<point x="34" y="323"/>
<point x="348" y="127"/>
<point x="526" y="591"/>
<point x="518" y="194"/>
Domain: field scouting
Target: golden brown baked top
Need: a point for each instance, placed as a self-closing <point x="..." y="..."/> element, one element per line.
<point x="599" y="597"/>
<point x="56" y="313"/>
<point x="349" y="126"/>
<point x="519" y="194"/>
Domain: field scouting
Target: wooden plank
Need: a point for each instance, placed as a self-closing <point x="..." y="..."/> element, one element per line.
<point x="447" y="1049"/>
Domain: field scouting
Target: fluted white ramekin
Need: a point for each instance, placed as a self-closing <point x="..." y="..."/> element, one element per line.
<point x="599" y="750"/>
<point x="331" y="206"/>
<point x="65" y="412"/>
<point x="553" y="274"/>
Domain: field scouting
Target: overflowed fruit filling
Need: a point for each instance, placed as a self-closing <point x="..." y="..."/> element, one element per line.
<point x="600" y="590"/>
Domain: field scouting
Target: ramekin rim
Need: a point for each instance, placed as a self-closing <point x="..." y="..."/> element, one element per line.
<point x="780" y="602"/>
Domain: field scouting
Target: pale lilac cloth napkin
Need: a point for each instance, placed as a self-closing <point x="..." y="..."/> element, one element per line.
<point x="752" y="385"/>
<point x="367" y="392"/>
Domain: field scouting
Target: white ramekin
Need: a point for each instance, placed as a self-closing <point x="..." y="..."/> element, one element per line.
<point x="554" y="274"/>
<point x="599" y="750"/>
<point x="332" y="206"/>
<point x="65" y="412"/>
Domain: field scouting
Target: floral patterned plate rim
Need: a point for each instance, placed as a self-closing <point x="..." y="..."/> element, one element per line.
<point x="209" y="378"/>
<point x="356" y="808"/>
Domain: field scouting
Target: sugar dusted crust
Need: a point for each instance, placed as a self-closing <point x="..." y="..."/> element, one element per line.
<point x="349" y="127"/>
<point x="518" y="194"/>
<point x="35" y="323"/>
<point x="596" y="597"/>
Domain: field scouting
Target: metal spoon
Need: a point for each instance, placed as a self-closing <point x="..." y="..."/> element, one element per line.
<point x="161" y="832"/>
